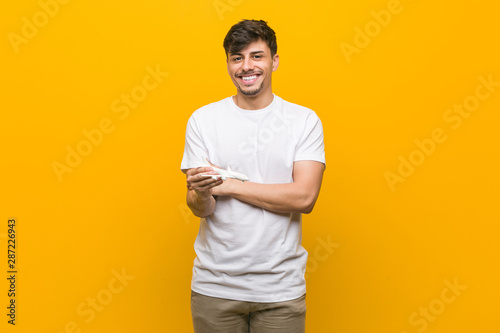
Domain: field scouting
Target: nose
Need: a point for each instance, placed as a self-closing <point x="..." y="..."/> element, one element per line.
<point x="247" y="64"/>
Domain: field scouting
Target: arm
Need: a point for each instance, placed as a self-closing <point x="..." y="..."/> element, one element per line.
<point x="199" y="196"/>
<point x="297" y="197"/>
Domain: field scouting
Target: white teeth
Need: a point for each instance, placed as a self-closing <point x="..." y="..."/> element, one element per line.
<point x="248" y="78"/>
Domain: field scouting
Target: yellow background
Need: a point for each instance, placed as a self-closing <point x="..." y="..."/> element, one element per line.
<point x="392" y="250"/>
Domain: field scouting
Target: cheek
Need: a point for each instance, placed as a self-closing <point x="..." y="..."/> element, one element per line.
<point x="231" y="71"/>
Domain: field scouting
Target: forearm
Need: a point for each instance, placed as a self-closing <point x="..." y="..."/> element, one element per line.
<point x="279" y="198"/>
<point x="201" y="206"/>
<point x="199" y="195"/>
<point x="296" y="197"/>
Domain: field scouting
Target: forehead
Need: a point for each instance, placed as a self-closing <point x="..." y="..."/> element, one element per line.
<point x="255" y="46"/>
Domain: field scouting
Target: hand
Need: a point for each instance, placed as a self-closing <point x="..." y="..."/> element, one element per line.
<point x="201" y="184"/>
<point x="225" y="188"/>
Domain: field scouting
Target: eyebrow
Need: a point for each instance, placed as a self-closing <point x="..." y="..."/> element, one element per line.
<point x="251" y="53"/>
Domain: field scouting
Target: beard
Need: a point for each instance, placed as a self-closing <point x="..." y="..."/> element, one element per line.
<point x="252" y="92"/>
<point x="248" y="91"/>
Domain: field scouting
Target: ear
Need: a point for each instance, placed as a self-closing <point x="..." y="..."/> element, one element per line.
<point x="276" y="62"/>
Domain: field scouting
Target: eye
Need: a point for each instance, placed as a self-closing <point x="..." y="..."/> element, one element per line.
<point x="257" y="56"/>
<point x="236" y="58"/>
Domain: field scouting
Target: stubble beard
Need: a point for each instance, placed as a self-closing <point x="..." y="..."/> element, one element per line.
<point x="251" y="92"/>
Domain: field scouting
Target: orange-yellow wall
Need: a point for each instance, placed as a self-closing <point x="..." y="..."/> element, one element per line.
<point x="387" y="240"/>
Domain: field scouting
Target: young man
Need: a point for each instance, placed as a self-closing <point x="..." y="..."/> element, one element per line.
<point x="248" y="275"/>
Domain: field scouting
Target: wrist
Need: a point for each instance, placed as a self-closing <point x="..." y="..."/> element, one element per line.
<point x="233" y="187"/>
<point x="204" y="196"/>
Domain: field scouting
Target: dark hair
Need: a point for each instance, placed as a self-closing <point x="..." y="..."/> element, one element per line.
<point x="247" y="31"/>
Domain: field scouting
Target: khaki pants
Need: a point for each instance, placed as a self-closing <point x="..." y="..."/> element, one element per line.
<point x="219" y="315"/>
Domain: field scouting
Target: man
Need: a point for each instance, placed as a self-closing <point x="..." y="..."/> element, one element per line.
<point x="248" y="275"/>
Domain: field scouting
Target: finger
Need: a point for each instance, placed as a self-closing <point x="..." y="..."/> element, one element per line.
<point x="204" y="169"/>
<point x="200" y="182"/>
<point x="197" y="177"/>
<point x="207" y="184"/>
<point x="215" y="183"/>
<point x="194" y="171"/>
<point x="212" y="175"/>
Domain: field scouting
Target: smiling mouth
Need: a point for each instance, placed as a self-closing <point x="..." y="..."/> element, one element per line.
<point x="249" y="78"/>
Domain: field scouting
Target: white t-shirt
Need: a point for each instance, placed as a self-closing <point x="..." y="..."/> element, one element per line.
<point x="245" y="252"/>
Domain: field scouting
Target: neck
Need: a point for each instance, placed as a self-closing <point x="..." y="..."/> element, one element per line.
<point x="253" y="102"/>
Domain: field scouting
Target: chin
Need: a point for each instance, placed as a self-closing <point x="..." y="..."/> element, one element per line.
<point x="251" y="92"/>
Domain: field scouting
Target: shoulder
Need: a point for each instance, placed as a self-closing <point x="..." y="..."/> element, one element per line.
<point x="211" y="109"/>
<point x="297" y="110"/>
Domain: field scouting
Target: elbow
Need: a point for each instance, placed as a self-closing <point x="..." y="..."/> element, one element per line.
<point x="200" y="207"/>
<point x="309" y="201"/>
<point x="201" y="213"/>
<point x="307" y="209"/>
<point x="307" y="205"/>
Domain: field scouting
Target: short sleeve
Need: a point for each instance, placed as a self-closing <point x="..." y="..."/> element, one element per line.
<point x="194" y="147"/>
<point x="311" y="146"/>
